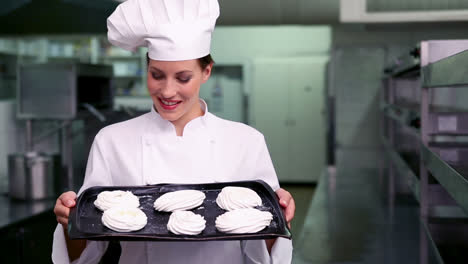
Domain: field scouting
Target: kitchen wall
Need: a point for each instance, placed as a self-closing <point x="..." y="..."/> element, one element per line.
<point x="243" y="43"/>
<point x="239" y="46"/>
<point x="224" y="93"/>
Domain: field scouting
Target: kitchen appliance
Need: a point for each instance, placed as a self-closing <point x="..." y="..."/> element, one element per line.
<point x="69" y="85"/>
<point x="33" y="175"/>
<point x="62" y="92"/>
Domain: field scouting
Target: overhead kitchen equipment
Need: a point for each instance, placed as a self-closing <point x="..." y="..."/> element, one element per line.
<point x="71" y="86"/>
<point x="61" y="92"/>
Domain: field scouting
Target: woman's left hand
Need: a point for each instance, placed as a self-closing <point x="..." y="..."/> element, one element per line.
<point x="287" y="202"/>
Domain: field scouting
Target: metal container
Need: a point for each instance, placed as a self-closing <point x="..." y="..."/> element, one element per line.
<point x="33" y="175"/>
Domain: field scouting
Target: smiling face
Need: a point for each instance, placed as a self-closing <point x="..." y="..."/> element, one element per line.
<point x="174" y="87"/>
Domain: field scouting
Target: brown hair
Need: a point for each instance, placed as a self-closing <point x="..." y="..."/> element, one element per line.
<point x="203" y="61"/>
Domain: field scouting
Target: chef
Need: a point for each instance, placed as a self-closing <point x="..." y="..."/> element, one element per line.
<point x="179" y="141"/>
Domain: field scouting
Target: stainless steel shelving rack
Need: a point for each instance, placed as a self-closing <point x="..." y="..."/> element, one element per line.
<point x="425" y="142"/>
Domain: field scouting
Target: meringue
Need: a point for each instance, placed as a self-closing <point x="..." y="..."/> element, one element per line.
<point x="124" y="219"/>
<point x="231" y="198"/>
<point x="109" y="199"/>
<point x="179" y="200"/>
<point x="186" y="223"/>
<point x="245" y="220"/>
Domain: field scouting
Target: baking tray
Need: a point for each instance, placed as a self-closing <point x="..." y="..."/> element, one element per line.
<point x="85" y="218"/>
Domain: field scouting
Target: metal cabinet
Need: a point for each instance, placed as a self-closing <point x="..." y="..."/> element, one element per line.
<point x="424" y="136"/>
<point x="287" y="106"/>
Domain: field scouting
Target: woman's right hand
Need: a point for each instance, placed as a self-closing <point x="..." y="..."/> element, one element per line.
<point x="62" y="207"/>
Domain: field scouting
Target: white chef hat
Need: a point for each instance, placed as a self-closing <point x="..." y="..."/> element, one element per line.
<point x="172" y="30"/>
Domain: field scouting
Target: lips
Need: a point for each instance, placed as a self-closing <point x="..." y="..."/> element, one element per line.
<point x="168" y="104"/>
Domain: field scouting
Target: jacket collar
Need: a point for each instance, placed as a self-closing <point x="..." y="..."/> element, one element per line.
<point x="198" y="124"/>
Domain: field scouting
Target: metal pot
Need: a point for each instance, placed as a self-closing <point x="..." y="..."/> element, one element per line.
<point x="33" y="175"/>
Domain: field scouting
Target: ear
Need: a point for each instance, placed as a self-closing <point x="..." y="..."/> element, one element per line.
<point x="207" y="72"/>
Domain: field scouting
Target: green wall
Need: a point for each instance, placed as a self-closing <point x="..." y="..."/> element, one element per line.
<point x="242" y="43"/>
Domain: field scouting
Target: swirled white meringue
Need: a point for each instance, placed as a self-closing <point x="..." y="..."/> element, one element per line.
<point x="179" y="200"/>
<point x="109" y="199"/>
<point x="245" y="220"/>
<point x="232" y="198"/>
<point x="186" y="223"/>
<point x="124" y="219"/>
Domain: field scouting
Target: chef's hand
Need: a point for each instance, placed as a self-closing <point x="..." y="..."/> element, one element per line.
<point x="287" y="202"/>
<point x="62" y="207"/>
<point x="62" y="210"/>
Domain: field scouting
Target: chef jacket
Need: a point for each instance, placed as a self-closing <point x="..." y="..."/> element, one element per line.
<point x="146" y="150"/>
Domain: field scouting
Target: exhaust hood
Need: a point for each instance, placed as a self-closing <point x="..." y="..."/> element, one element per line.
<point x="34" y="17"/>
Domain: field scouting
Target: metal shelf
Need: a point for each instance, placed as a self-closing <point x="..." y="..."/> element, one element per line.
<point x="439" y="109"/>
<point x="403" y="168"/>
<point x="128" y="76"/>
<point x="439" y="178"/>
<point x="449" y="240"/>
<point x="405" y="66"/>
<point x="442" y="120"/>
<point x="448" y="72"/>
<point x="63" y="57"/>
<point x="408" y="71"/>
<point x="121" y="57"/>
<point x="6" y="53"/>
<point x="403" y="116"/>
<point x="431" y="245"/>
<point x="415" y="107"/>
<point x="454" y="178"/>
<point x="447" y="215"/>
<point x="448" y="123"/>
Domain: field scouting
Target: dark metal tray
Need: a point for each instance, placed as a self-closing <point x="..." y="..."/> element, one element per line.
<point x="85" y="218"/>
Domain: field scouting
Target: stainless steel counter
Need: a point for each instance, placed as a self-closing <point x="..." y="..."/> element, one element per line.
<point x="353" y="218"/>
<point x="13" y="211"/>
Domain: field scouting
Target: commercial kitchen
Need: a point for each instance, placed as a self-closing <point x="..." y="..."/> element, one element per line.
<point x="362" y="104"/>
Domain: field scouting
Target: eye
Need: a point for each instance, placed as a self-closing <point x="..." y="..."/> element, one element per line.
<point x="157" y="76"/>
<point x="184" y="79"/>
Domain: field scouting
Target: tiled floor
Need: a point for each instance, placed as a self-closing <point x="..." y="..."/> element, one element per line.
<point x="352" y="220"/>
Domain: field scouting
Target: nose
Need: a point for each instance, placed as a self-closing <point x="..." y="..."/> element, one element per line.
<point x="168" y="89"/>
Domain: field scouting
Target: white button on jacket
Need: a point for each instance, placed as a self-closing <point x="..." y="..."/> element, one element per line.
<point x="146" y="150"/>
